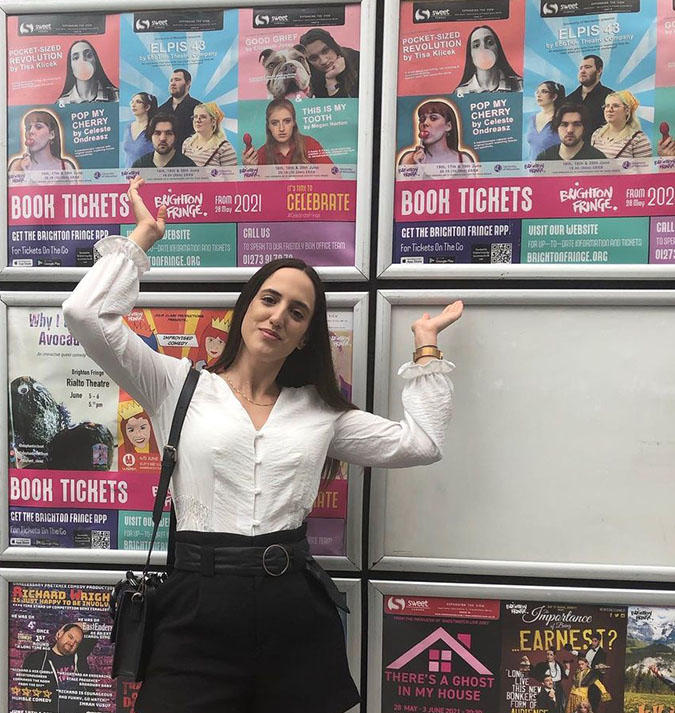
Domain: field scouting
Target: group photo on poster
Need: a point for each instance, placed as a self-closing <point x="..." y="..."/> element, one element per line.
<point x="563" y="658"/>
<point x="59" y="654"/>
<point x="235" y="117"/>
<point x="565" y="104"/>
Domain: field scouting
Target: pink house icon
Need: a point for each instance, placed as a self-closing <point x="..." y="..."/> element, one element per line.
<point x="439" y="658"/>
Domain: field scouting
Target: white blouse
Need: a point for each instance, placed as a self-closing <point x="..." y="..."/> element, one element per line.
<point x="230" y="477"/>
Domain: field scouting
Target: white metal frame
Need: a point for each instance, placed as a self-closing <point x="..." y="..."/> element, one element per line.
<point x="385" y="241"/>
<point x="377" y="558"/>
<point x="351" y="587"/>
<point x="357" y="301"/>
<point x="378" y="589"/>
<point x="357" y="272"/>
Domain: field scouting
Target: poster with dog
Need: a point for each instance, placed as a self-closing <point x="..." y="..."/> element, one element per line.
<point x="244" y="122"/>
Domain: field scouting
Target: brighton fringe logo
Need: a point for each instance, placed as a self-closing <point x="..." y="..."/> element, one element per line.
<point x="588" y="200"/>
<point x="180" y="206"/>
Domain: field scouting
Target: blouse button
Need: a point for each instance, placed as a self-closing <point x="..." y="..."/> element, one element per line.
<point x="255" y="523"/>
<point x="258" y="460"/>
<point x="257" y="491"/>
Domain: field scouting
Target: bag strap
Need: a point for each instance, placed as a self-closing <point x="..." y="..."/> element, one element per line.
<point x="627" y="144"/>
<point x="169" y="455"/>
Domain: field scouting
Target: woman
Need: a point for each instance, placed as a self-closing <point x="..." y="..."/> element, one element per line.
<point x="540" y="136"/>
<point x="42" y="139"/>
<point x="212" y="341"/>
<point x="208" y="145"/>
<point x="284" y="144"/>
<point x="247" y="621"/>
<point x="138" y="448"/>
<point x="586" y="687"/>
<point x="621" y="136"/>
<point x="334" y="69"/>
<point x="136" y="142"/>
<point x="438" y="131"/>
<point x="86" y="80"/>
<point x="486" y="68"/>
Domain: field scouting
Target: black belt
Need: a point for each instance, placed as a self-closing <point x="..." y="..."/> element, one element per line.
<point x="274" y="561"/>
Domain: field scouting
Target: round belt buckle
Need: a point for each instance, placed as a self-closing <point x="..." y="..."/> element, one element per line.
<point x="286" y="566"/>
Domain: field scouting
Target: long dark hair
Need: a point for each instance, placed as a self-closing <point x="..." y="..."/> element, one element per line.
<point x="299" y="154"/>
<point x="448" y="113"/>
<point x="501" y="63"/>
<point x="348" y="79"/>
<point x="557" y="89"/>
<point x="149" y="100"/>
<point x="99" y="72"/>
<point x="311" y="365"/>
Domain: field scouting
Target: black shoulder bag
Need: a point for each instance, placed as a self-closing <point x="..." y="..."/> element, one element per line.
<point x="132" y="597"/>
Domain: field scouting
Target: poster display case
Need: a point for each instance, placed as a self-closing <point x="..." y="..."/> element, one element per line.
<point x="81" y="459"/>
<point x="527" y="140"/>
<point x="37" y="606"/>
<point x="559" y="443"/>
<point x="455" y="648"/>
<point x="251" y="125"/>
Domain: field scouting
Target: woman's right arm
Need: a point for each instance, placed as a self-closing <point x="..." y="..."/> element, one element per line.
<point x="94" y="312"/>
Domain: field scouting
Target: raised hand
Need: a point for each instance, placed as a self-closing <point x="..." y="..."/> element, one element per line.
<point x="148" y="230"/>
<point x="250" y="157"/>
<point x="427" y="328"/>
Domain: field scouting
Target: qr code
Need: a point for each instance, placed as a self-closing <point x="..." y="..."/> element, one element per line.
<point x="100" y="540"/>
<point x="501" y="252"/>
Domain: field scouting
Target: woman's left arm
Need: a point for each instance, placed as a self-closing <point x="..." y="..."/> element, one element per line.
<point x="367" y="439"/>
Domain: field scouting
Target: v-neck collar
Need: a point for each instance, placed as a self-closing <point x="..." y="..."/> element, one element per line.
<point x="245" y="412"/>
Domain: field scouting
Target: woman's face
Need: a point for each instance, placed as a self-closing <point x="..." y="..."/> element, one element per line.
<point x="483" y="48"/>
<point x="82" y="61"/>
<point x="137" y="105"/>
<point x="433" y="127"/>
<point x="38" y="136"/>
<point x="279" y="315"/>
<point x="544" y="96"/>
<point x="616" y="112"/>
<point x="281" y="125"/>
<point x="138" y="431"/>
<point x="202" y="122"/>
<point x="321" y="56"/>
<point x="214" y="347"/>
<point x="583" y="664"/>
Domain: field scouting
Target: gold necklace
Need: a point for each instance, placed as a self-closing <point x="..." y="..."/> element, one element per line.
<point x="246" y="398"/>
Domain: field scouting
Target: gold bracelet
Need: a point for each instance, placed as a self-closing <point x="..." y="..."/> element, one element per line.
<point x="428" y="350"/>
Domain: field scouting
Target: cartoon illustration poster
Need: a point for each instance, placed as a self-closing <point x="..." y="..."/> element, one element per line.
<point x="508" y="120"/>
<point x="440" y="654"/>
<point x="243" y="122"/>
<point x="558" y="656"/>
<point x="84" y="457"/>
<point x="650" y="660"/>
<point x="59" y="653"/>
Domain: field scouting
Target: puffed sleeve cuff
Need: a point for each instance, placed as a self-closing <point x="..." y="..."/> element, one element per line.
<point x="410" y="370"/>
<point x="116" y="245"/>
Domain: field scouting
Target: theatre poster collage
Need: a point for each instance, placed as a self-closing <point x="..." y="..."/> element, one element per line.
<point x="496" y="73"/>
<point x="83" y="458"/>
